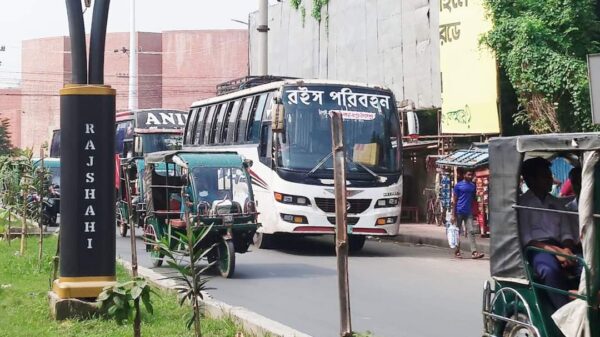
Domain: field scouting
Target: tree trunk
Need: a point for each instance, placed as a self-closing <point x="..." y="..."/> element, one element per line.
<point x="24" y="231"/>
<point x="41" y="219"/>
<point x="55" y="259"/>
<point x="197" y="328"/>
<point x="8" y="227"/>
<point x="137" y="331"/>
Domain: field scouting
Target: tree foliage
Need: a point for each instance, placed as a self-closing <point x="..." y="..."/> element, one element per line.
<point x="542" y="46"/>
<point x="316" y="9"/>
<point x="6" y="147"/>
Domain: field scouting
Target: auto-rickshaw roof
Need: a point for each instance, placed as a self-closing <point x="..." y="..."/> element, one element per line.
<point x="554" y="142"/>
<point x="197" y="158"/>
<point x="49" y="162"/>
<point x="506" y="156"/>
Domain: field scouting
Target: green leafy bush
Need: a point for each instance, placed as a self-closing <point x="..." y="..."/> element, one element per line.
<point x="117" y="300"/>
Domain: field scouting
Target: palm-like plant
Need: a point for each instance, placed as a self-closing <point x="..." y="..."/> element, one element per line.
<point x="191" y="282"/>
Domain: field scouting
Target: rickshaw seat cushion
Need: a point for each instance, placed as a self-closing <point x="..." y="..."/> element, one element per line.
<point x="174" y="204"/>
<point x="177" y="223"/>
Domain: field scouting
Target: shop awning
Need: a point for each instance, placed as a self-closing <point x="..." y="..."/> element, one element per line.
<point x="470" y="158"/>
<point x="420" y="145"/>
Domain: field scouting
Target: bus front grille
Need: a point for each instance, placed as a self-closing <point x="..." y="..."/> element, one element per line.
<point x="351" y="220"/>
<point x="327" y="205"/>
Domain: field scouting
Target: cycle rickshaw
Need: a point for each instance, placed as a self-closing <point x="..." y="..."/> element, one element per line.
<point x="516" y="302"/>
<point x="214" y="190"/>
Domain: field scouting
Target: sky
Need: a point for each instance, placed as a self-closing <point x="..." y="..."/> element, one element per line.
<point x="31" y="19"/>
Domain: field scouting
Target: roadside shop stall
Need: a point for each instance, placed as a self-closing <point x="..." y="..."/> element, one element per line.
<point x="475" y="159"/>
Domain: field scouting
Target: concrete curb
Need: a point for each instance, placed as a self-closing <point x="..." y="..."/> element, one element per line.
<point x="437" y="242"/>
<point x="250" y="321"/>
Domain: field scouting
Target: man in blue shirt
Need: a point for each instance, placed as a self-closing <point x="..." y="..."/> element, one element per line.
<point x="462" y="210"/>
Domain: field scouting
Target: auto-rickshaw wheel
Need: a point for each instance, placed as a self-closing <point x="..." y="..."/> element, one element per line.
<point x="225" y="258"/>
<point x="121" y="222"/>
<point x="515" y="330"/>
<point x="123" y="228"/>
<point x="156" y="255"/>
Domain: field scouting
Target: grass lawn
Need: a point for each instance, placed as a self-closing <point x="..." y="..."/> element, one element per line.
<point x="24" y="309"/>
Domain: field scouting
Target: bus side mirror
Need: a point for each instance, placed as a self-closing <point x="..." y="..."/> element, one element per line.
<point x="277" y="116"/>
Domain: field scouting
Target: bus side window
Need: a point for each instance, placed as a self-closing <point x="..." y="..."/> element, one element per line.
<point x="255" y="120"/>
<point x="218" y="122"/>
<point x="208" y="125"/>
<point x="229" y="128"/>
<point x="55" y="146"/>
<point x="265" y="144"/>
<point x="189" y="126"/>
<point x="250" y="103"/>
<point x="199" y="129"/>
<point x="224" y="123"/>
<point x="122" y="134"/>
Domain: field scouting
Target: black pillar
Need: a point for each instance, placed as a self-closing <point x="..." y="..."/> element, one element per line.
<point x="87" y="245"/>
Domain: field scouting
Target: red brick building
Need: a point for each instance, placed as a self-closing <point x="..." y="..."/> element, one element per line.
<point x="10" y="107"/>
<point x="175" y="68"/>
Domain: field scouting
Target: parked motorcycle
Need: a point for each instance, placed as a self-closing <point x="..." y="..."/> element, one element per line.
<point x="50" y="206"/>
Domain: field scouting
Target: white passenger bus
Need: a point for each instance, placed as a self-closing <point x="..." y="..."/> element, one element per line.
<point x="292" y="172"/>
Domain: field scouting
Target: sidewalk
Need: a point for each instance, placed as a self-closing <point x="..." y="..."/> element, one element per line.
<point x="432" y="235"/>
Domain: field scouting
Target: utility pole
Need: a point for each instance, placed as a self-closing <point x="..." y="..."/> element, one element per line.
<point x="263" y="37"/>
<point x="341" y="227"/>
<point x="133" y="65"/>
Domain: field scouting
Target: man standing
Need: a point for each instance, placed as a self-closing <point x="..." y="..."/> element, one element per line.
<point x="462" y="210"/>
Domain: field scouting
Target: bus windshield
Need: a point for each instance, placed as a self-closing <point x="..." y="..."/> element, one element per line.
<point x="371" y="129"/>
<point x="154" y="142"/>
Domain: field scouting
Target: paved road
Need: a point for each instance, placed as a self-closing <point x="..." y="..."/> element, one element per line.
<point x="396" y="290"/>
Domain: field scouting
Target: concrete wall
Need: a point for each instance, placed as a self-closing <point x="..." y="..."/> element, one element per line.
<point x="10" y="108"/>
<point x="389" y="42"/>
<point x="194" y="62"/>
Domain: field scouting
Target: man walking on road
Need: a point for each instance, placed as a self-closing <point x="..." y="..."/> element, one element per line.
<point x="462" y="210"/>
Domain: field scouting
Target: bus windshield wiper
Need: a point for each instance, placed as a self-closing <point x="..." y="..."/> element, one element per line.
<point x="320" y="163"/>
<point x="379" y="178"/>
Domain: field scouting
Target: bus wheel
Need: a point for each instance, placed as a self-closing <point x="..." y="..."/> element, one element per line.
<point x="225" y="258"/>
<point x="263" y="241"/>
<point x="356" y="242"/>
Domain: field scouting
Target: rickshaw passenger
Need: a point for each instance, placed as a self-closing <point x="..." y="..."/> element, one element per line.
<point x="573" y="205"/>
<point x="546" y="230"/>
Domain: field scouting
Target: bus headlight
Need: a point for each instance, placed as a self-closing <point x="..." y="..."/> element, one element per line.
<point x="387" y="202"/>
<point x="386" y="221"/>
<point x="291" y="199"/>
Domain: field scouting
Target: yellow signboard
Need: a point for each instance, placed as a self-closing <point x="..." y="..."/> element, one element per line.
<point x="469" y="76"/>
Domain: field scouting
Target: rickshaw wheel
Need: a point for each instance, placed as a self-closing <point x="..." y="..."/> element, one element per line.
<point x="225" y="257"/>
<point x="515" y="330"/>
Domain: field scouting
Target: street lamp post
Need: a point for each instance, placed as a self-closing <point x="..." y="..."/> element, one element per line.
<point x="133" y="65"/>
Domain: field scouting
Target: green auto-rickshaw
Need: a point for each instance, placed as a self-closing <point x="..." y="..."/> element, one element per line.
<point x="214" y="188"/>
